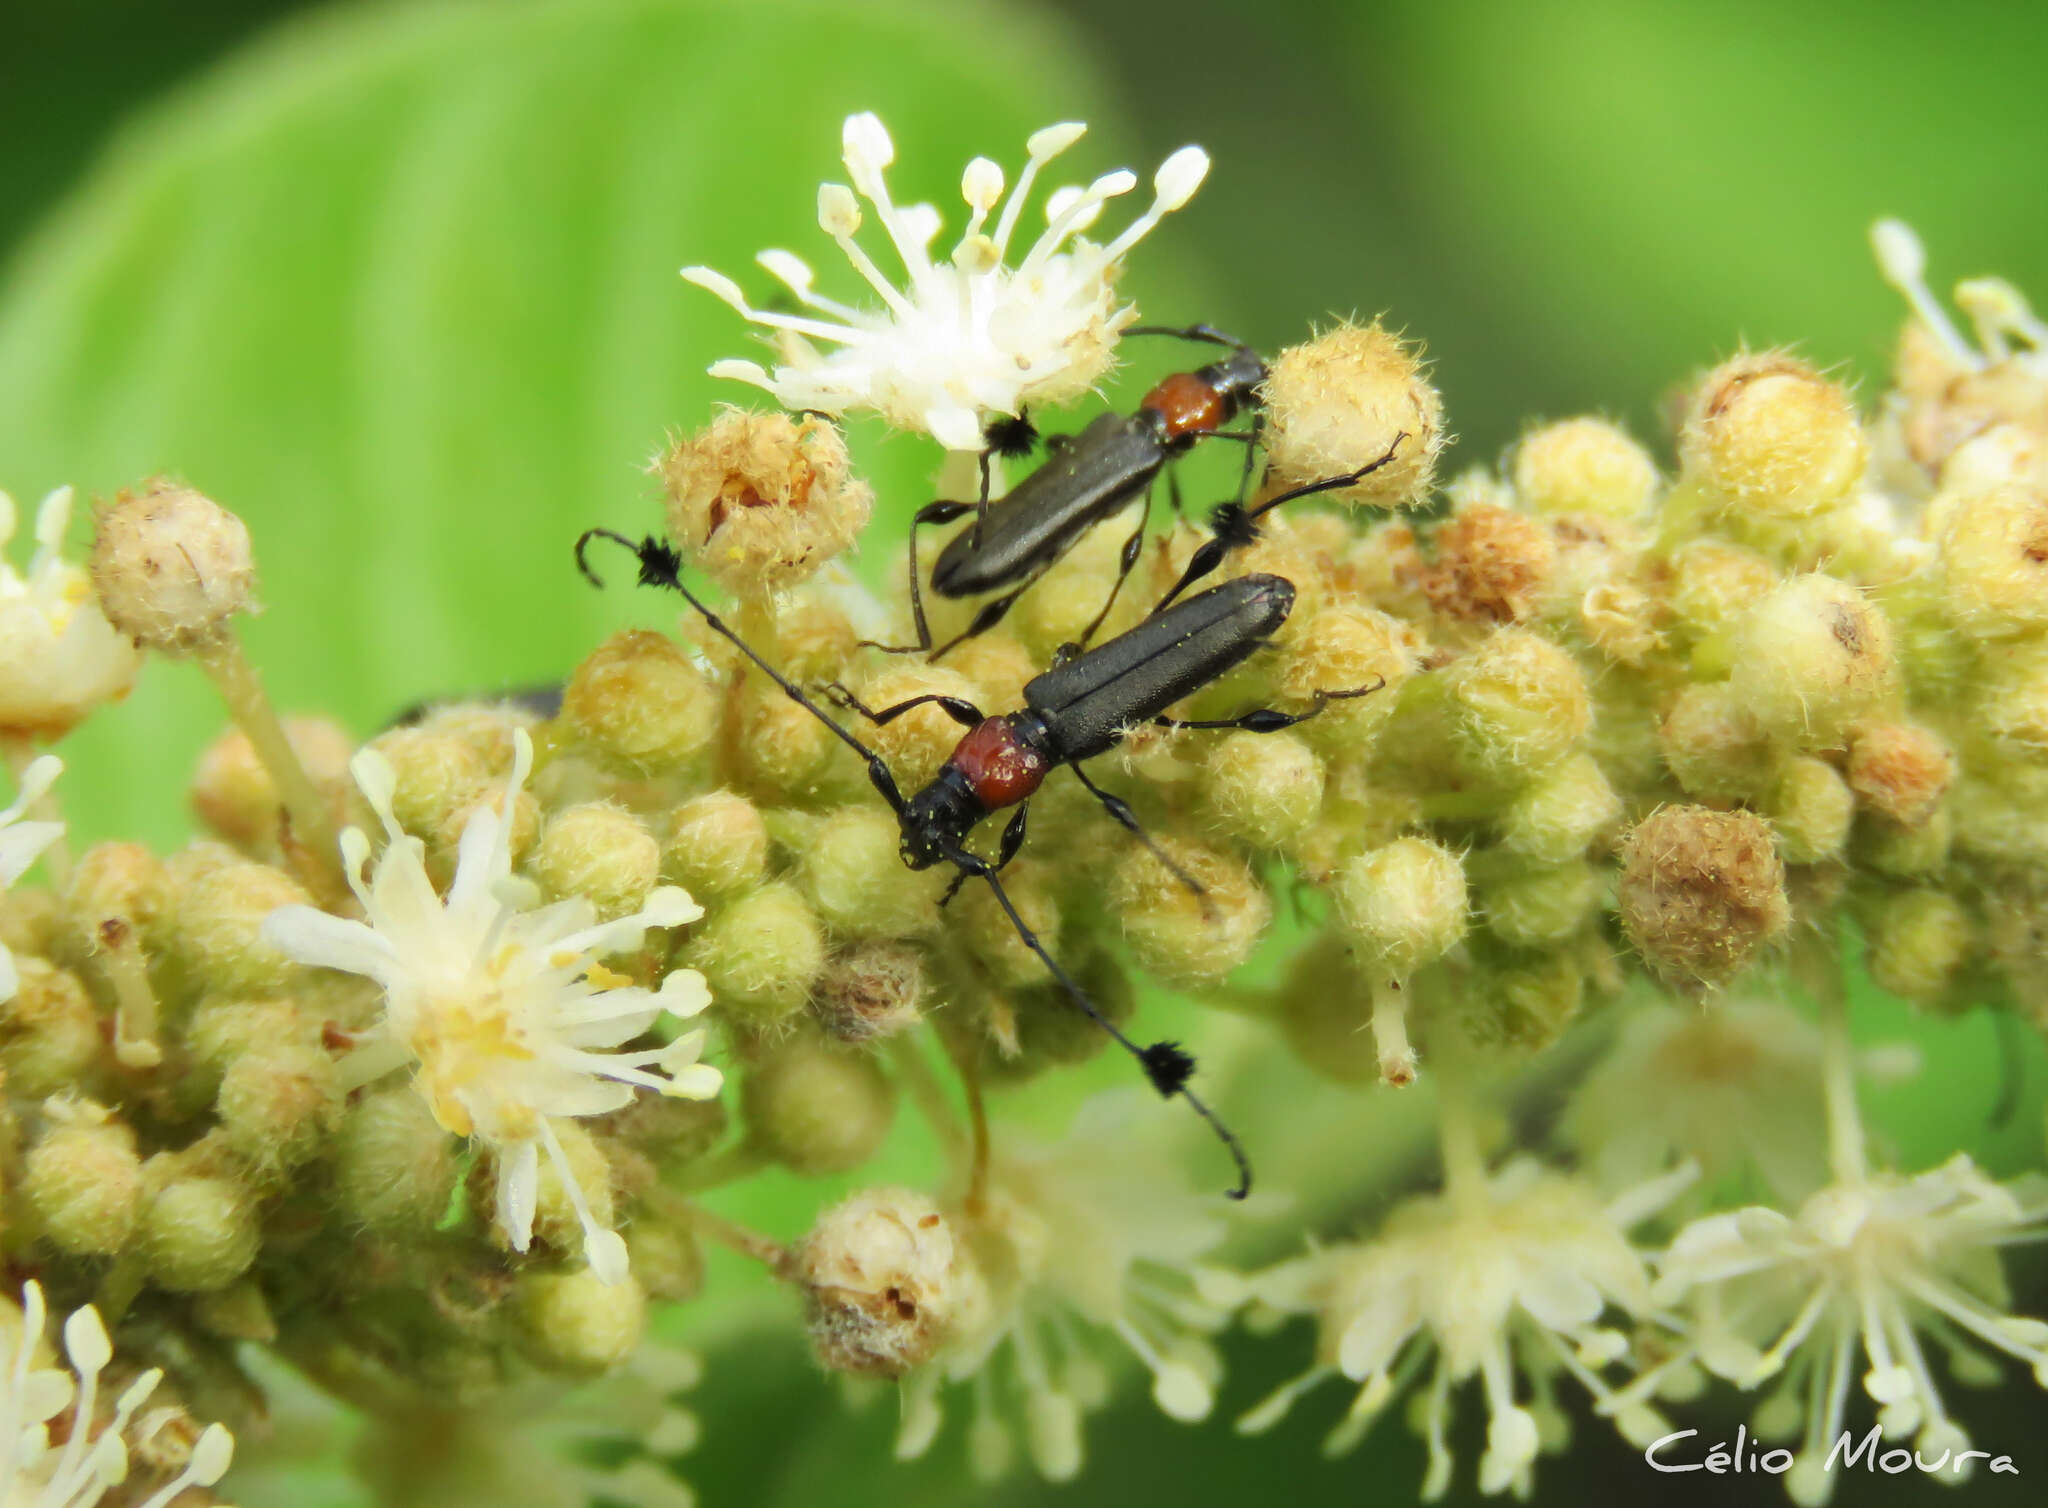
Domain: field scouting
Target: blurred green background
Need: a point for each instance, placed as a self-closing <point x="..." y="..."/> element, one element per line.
<point x="397" y="282"/>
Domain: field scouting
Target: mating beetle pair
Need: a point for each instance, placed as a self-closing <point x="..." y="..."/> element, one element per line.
<point x="1085" y="705"/>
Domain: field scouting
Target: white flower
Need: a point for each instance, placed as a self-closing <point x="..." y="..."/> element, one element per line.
<point x="1068" y="1247"/>
<point x="2007" y="329"/>
<point x="502" y="1008"/>
<point x="22" y="843"/>
<point x="1510" y="1276"/>
<point x="1871" y="1264"/>
<point x="45" y="1405"/>
<point x="59" y="657"/>
<point x="970" y="336"/>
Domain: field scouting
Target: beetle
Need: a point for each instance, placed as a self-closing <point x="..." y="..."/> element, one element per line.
<point x="1076" y="710"/>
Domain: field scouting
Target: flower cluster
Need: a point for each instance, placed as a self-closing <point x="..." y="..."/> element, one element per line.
<point x="430" y="1065"/>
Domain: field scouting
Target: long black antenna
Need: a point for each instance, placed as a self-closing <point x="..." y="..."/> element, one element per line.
<point x="1167" y="1066"/>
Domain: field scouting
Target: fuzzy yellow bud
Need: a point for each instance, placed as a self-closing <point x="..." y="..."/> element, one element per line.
<point x="214" y="915"/>
<point x="233" y="794"/>
<point x="1492" y="565"/>
<point x="872" y="990"/>
<point x="113" y="883"/>
<point x="1263" y="788"/>
<point x="171" y="566"/>
<point x="1560" y="813"/>
<point x="49" y="1032"/>
<point x="2012" y="699"/>
<point x="435" y="774"/>
<point x="880" y="1278"/>
<point x="782" y="752"/>
<point x="1906" y="853"/>
<point x="761" y="501"/>
<point x="1994" y="561"/>
<point x="83" y="1179"/>
<point x="1542" y="906"/>
<point x="1810" y="659"/>
<point x="1701" y="891"/>
<point x="921" y="740"/>
<point x="817" y="1109"/>
<point x="1176" y="935"/>
<point x="278" y="1105"/>
<point x="1713" y="747"/>
<point x="760" y="954"/>
<point x="394" y="1167"/>
<point x="1770" y="437"/>
<point x="717" y="845"/>
<point x="1345" y="648"/>
<point x="640" y="699"/>
<point x="1899" y="770"/>
<point x="979" y="923"/>
<point x="1810" y="808"/>
<point x="601" y="852"/>
<point x="854" y="876"/>
<point x="1404" y="903"/>
<point x="1584" y="465"/>
<point x="1518" y="702"/>
<point x="557" y="1222"/>
<point x="1710" y="583"/>
<point x="578" y="1325"/>
<point x="1918" y="940"/>
<point x="1335" y="404"/>
<point x="199" y="1234"/>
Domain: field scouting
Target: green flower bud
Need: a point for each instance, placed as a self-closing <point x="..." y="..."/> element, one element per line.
<point x="1559" y="815"/>
<point x="1404" y="903"/>
<point x="880" y="1277"/>
<point x="760" y="955"/>
<point x="978" y="923"/>
<point x="1711" y="583"/>
<point x="437" y="774"/>
<point x="1769" y="437"/>
<point x="780" y="751"/>
<point x="1542" y="906"/>
<point x="871" y="991"/>
<point x="394" y="1167"/>
<point x="1810" y="809"/>
<point x="857" y="881"/>
<point x="601" y="852"/>
<point x="278" y="1106"/>
<point x="199" y="1234"/>
<point x="1027" y="1030"/>
<point x="1713" y="747"/>
<point x="670" y="1130"/>
<point x="577" y="1325"/>
<point x="1263" y="788"/>
<point x="1919" y="939"/>
<point x="1518" y="703"/>
<point x="213" y="920"/>
<point x="1180" y="937"/>
<point x="717" y="845"/>
<point x="116" y="890"/>
<point x="1701" y="891"/>
<point x="1905" y="853"/>
<point x="666" y="1261"/>
<point x="1324" y="1008"/>
<point x="1584" y="466"/>
<point x="641" y="700"/>
<point x="234" y="795"/>
<point x="50" y="1037"/>
<point x="237" y="1312"/>
<point x="1518" y="1001"/>
<point x="1810" y="659"/>
<point x="1994" y="560"/>
<point x="83" y="1179"/>
<point x="2012" y="699"/>
<point x="817" y="1109"/>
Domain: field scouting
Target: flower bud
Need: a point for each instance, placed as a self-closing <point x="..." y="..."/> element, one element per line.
<point x="233" y="794"/>
<point x="171" y="566"/>
<point x="760" y="954"/>
<point x="394" y="1167"/>
<point x="1345" y="648"/>
<point x="213" y="921"/>
<point x="577" y="1325"/>
<point x="641" y="700"/>
<point x="1620" y="619"/>
<point x="1711" y="584"/>
<point x="859" y="884"/>
<point x="1324" y="1008"/>
<point x="2012" y="700"/>
<point x="781" y="752"/>
<point x="1539" y="907"/>
<point x="1263" y="788"/>
<point x="118" y="883"/>
<point x="435" y="775"/>
<point x="1918" y="940"/>
<point x="981" y="925"/>
<point x="997" y="666"/>
<point x="1518" y="703"/>
<point x="1810" y="808"/>
<point x="1994" y="561"/>
<point x="760" y="501"/>
<point x="83" y="1179"/>
<point x="1521" y="1001"/>
<point x="870" y="991"/>
<point x="1810" y="659"/>
<point x="199" y="1234"/>
<point x="1713" y="747"/>
<point x="1905" y="853"/>
<point x="814" y="638"/>
<point x="278" y="1106"/>
<point x="1336" y="403"/>
<point x="1899" y="770"/>
<point x="919" y="741"/>
<point x="880" y="1277"/>
<point x="666" y="1262"/>
<point x="1770" y="437"/>
<point x="1177" y="936"/>
<point x="557" y="1223"/>
<point x="1493" y="565"/>
<point x="601" y="852"/>
<point x="717" y="845"/>
<point x="817" y="1109"/>
<point x="50" y="1037"/>
<point x="1584" y="465"/>
<point x="1558" y="815"/>
<point x="1404" y="903"/>
<point x="1035" y="1026"/>
<point x="62" y="659"/>
<point x="1701" y="891"/>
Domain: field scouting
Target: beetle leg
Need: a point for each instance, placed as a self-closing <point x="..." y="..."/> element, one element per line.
<point x="1127" y="560"/>
<point x="1271" y="719"/>
<point x="962" y="711"/>
<point x="1120" y="810"/>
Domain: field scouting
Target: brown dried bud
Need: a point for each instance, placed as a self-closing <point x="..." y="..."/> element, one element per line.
<point x="171" y="566"/>
<point x="880" y="1274"/>
<point x="1900" y="770"/>
<point x="1701" y="891"/>
<point x="872" y="990"/>
<point x="1492" y="565"/>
